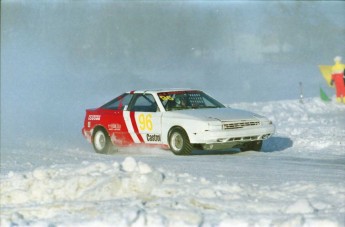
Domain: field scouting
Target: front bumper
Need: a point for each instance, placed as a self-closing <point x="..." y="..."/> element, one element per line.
<point x="232" y="136"/>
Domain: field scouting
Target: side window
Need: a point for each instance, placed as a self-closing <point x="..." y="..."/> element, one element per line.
<point x="144" y="103"/>
<point x="196" y="100"/>
<point x="118" y="103"/>
<point x="207" y="102"/>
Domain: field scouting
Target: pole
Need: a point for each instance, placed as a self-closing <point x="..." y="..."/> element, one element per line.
<point x="301" y="92"/>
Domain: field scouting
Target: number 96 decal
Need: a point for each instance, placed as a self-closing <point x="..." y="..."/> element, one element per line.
<point x="145" y="122"/>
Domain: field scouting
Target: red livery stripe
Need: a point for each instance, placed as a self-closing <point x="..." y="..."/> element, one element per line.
<point x="135" y="127"/>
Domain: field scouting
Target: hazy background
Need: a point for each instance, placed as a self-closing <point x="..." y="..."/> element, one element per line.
<point x="60" y="57"/>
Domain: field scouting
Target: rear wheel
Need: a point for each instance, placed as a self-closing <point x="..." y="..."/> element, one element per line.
<point x="179" y="142"/>
<point x="252" y="146"/>
<point x="101" y="141"/>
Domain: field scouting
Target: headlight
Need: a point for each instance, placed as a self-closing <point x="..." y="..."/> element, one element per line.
<point x="214" y="126"/>
<point x="266" y="122"/>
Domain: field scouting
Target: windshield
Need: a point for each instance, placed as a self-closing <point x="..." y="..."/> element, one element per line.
<point x="180" y="100"/>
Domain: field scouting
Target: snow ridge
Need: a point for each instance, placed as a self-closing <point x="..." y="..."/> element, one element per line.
<point x="135" y="194"/>
<point x="296" y="181"/>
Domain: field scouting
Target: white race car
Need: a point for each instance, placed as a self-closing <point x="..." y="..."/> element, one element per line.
<point x="179" y="119"/>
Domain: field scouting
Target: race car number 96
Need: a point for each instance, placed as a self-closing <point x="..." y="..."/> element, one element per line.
<point x="145" y="122"/>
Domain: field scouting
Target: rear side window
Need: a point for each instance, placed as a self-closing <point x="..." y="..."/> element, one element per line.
<point x="144" y="103"/>
<point x="118" y="103"/>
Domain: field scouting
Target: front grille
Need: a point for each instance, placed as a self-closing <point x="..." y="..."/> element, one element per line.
<point x="239" y="124"/>
<point x="246" y="138"/>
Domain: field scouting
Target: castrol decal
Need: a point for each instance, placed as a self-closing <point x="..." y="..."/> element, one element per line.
<point x="153" y="137"/>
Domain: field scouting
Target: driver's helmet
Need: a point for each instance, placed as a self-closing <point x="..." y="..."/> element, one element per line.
<point x="180" y="100"/>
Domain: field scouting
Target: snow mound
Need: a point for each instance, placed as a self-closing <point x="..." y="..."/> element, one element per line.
<point x="300" y="206"/>
<point x="132" y="193"/>
<point x="91" y="182"/>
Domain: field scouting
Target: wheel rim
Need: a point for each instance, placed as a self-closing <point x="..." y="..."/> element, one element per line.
<point x="176" y="141"/>
<point x="99" y="140"/>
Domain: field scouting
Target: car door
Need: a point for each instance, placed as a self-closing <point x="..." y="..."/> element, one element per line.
<point x="143" y="119"/>
<point x="113" y="120"/>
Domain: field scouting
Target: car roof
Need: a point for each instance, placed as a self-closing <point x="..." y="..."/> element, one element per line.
<point x="162" y="90"/>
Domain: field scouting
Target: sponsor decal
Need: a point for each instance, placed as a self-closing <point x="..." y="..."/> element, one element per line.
<point x="114" y="127"/>
<point x="145" y="122"/>
<point x="153" y="137"/>
<point x="166" y="97"/>
<point x="94" y="117"/>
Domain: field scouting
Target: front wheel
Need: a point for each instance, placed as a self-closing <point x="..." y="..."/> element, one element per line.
<point x="101" y="141"/>
<point x="179" y="142"/>
<point x="252" y="146"/>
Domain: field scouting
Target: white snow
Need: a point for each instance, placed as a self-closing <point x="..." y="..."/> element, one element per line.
<point x="59" y="58"/>
<point x="298" y="179"/>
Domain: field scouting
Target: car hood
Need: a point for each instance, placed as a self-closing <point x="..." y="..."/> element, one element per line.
<point x="222" y="114"/>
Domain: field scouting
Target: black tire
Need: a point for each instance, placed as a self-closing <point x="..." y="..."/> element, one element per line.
<point x="252" y="146"/>
<point x="101" y="141"/>
<point x="179" y="142"/>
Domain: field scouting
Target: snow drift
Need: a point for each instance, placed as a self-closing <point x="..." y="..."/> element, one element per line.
<point x="134" y="194"/>
<point x="296" y="181"/>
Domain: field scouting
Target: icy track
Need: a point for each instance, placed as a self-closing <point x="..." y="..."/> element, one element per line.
<point x="298" y="179"/>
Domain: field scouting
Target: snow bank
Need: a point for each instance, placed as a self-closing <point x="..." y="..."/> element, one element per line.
<point x="133" y="193"/>
<point x="90" y="182"/>
<point x="310" y="126"/>
<point x="296" y="181"/>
